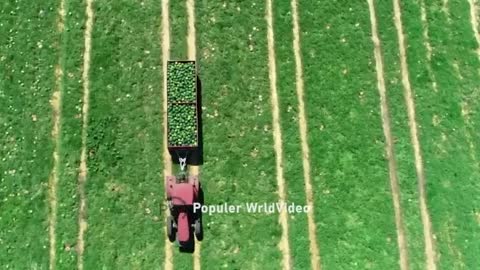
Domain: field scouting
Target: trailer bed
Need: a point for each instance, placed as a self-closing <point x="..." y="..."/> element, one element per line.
<point x="182" y="103"/>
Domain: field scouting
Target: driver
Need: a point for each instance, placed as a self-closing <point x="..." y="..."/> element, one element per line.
<point x="182" y="177"/>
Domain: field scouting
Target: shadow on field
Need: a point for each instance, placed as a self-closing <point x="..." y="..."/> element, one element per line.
<point x="196" y="156"/>
<point x="199" y="215"/>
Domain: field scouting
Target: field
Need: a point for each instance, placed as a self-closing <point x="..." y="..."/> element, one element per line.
<point x="366" y="111"/>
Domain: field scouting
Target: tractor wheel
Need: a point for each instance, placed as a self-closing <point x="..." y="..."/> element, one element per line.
<point x="198" y="230"/>
<point x="170" y="229"/>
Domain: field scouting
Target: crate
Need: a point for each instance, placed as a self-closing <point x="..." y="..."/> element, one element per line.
<point x="182" y="112"/>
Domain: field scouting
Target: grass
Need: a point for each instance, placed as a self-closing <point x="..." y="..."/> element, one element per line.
<point x="449" y="168"/>
<point x="27" y="59"/>
<point x="124" y="186"/>
<point x="354" y="216"/>
<point x="453" y="173"/>
<point x="239" y="158"/>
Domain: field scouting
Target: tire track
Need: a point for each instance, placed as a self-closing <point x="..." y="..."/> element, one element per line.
<point x="312" y="230"/>
<point x="465" y="107"/>
<point x="191" y="38"/>
<point x="192" y="55"/>
<point x="56" y="103"/>
<point x="474" y="21"/>
<point x="195" y="170"/>
<point x="387" y="131"/>
<point x="409" y="100"/>
<point x="82" y="177"/>
<point x="446" y="10"/>
<point x="61" y="17"/>
<point x="277" y="138"/>
<point x="427" y="44"/>
<point x="167" y="160"/>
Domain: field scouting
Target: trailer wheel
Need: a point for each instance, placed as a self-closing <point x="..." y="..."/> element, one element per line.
<point x="198" y="230"/>
<point x="170" y="229"/>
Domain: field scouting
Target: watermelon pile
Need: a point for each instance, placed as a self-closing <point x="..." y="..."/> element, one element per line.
<point x="181" y="98"/>
<point x="181" y="82"/>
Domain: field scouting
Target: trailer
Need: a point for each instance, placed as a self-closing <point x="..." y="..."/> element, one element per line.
<point x="183" y="141"/>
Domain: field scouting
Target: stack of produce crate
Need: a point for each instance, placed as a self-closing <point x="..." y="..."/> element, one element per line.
<point x="182" y="112"/>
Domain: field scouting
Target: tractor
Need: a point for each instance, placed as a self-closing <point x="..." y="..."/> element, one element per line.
<point x="184" y="137"/>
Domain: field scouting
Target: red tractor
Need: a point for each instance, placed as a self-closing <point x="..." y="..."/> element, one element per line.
<point x="182" y="192"/>
<point x="185" y="145"/>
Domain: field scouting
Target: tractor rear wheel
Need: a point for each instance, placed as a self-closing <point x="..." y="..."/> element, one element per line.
<point x="198" y="230"/>
<point x="170" y="229"/>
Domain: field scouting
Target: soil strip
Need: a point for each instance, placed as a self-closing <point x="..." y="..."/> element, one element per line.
<point x="82" y="177"/>
<point x="277" y="138"/>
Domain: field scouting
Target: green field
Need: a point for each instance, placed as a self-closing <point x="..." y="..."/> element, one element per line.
<point x="241" y="168"/>
<point x="124" y="192"/>
<point x="28" y="54"/>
